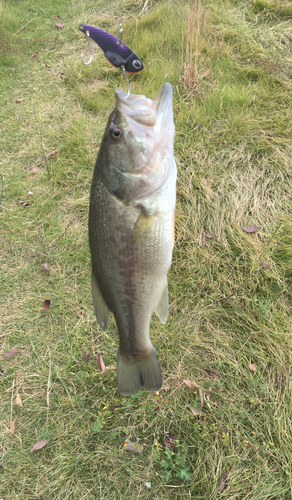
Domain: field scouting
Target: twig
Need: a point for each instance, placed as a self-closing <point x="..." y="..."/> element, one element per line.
<point x="1" y="190"/>
<point x="12" y="394"/>
<point x="73" y="357"/>
<point x="48" y="387"/>
<point x="54" y="43"/>
<point x="197" y="126"/>
<point x="24" y="25"/>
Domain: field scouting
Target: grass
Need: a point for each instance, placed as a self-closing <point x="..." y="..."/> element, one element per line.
<point x="230" y="326"/>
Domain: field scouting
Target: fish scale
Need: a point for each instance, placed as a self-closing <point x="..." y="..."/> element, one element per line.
<point x="130" y="236"/>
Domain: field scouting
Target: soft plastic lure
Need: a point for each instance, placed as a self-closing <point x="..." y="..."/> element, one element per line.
<point x="116" y="51"/>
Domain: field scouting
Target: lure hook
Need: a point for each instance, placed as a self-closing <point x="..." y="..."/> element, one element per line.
<point x="90" y="50"/>
<point x="127" y="81"/>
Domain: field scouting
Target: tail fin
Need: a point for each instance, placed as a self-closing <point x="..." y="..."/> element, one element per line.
<point x="133" y="375"/>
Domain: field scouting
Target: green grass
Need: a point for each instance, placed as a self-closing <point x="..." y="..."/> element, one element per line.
<point x="228" y="311"/>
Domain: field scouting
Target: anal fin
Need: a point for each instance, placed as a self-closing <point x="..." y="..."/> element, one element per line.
<point x="100" y="308"/>
<point x="161" y="310"/>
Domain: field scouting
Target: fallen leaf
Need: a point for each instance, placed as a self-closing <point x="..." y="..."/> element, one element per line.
<point x="203" y="260"/>
<point x="34" y="54"/>
<point x="24" y="203"/>
<point x="34" y="170"/>
<point x="45" y="266"/>
<point x="57" y="17"/>
<point x="19" y="100"/>
<point x="18" y="401"/>
<point x="133" y="447"/>
<point x="100" y="363"/>
<point x="252" y="367"/>
<point x="13" y="426"/>
<point x="47" y="304"/>
<point x="251" y="229"/>
<point x="169" y="439"/>
<point x="264" y="264"/>
<point x="195" y="411"/>
<point x="39" y="445"/>
<point x="87" y="356"/>
<point x="192" y="385"/>
<point x="10" y="354"/>
<point x="79" y="314"/>
<point x="177" y="110"/>
<point x="59" y="25"/>
<point x="48" y="66"/>
<point x="165" y="388"/>
<point x="223" y="483"/>
<point x="148" y="485"/>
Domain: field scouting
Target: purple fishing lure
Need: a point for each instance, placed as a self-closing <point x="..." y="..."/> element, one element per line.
<point x="116" y="51"/>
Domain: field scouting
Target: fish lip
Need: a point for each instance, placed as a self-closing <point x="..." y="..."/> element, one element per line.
<point x="144" y="110"/>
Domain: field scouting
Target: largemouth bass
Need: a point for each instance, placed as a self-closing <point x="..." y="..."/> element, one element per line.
<point x="131" y="230"/>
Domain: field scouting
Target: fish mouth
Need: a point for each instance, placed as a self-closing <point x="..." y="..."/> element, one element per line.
<point x="143" y="110"/>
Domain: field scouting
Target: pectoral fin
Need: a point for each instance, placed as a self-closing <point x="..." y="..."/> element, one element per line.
<point x="142" y="228"/>
<point x="100" y="308"/>
<point x="162" y="307"/>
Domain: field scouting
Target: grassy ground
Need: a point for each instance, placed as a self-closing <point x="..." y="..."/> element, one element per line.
<point x="230" y="326"/>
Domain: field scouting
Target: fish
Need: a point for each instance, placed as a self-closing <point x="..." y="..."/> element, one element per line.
<point x="131" y="230"/>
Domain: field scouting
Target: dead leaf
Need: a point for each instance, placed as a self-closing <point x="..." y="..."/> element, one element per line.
<point x="87" y="356"/>
<point x="195" y="411"/>
<point x="45" y="266"/>
<point x="10" y="354"/>
<point x="24" y="203"/>
<point x="51" y="154"/>
<point x="13" y="426"/>
<point x="47" y="304"/>
<point x="203" y="260"/>
<point x="223" y="483"/>
<point x="252" y="367"/>
<point x="177" y="110"/>
<point x="59" y="25"/>
<point x="169" y="440"/>
<point x="205" y="237"/>
<point x="57" y="17"/>
<point x="48" y="66"/>
<point x="165" y="388"/>
<point x="192" y="385"/>
<point x="19" y="100"/>
<point x="264" y="264"/>
<point x="34" y="54"/>
<point x="133" y="447"/>
<point x="100" y="363"/>
<point x="251" y="229"/>
<point x="39" y="445"/>
<point x="18" y="401"/>
<point x="79" y="314"/>
<point x="34" y="170"/>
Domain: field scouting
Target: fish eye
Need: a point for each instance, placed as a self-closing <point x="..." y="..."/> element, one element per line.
<point x="115" y="133"/>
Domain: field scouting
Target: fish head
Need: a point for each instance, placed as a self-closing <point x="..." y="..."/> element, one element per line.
<point x="139" y="144"/>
